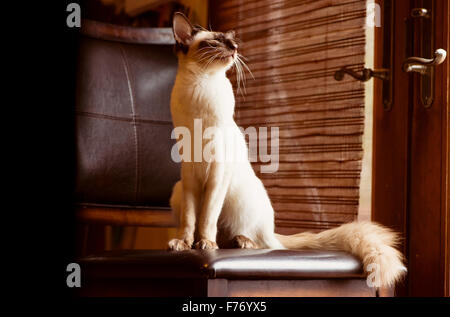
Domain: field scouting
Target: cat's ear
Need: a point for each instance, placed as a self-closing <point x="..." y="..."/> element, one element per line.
<point x="182" y="28"/>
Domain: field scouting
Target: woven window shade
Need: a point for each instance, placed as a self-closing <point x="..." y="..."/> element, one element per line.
<point x="293" y="49"/>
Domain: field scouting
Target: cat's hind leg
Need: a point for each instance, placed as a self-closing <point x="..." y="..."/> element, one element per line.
<point x="243" y="242"/>
<point x="227" y="240"/>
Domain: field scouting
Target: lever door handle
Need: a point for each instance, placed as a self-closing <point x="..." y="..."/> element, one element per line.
<point x="422" y="65"/>
<point x="366" y="74"/>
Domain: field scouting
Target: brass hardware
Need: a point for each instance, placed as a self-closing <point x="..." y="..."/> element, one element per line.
<point x="423" y="65"/>
<point x="366" y="74"/>
<point x="424" y="18"/>
<point x="420" y="13"/>
<point x="385" y="73"/>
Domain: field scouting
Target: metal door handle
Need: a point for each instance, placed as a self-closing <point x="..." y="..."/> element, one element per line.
<point x="422" y="65"/>
<point x="385" y="72"/>
<point x="366" y="74"/>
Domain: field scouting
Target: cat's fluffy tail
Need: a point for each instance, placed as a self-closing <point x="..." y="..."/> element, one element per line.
<point x="372" y="243"/>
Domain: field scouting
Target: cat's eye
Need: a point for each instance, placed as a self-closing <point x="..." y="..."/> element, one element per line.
<point x="208" y="43"/>
<point x="213" y="43"/>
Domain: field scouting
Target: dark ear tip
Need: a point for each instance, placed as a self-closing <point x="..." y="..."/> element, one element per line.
<point x="179" y="14"/>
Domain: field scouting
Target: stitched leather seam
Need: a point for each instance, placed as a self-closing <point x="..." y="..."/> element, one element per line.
<point x="109" y="117"/>
<point x="133" y="113"/>
<point x="124" y="205"/>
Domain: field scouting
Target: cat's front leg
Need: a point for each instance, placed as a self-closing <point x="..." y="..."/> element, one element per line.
<point x="213" y="199"/>
<point x="185" y="200"/>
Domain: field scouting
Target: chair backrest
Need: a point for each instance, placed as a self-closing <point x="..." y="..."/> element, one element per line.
<point x="123" y="121"/>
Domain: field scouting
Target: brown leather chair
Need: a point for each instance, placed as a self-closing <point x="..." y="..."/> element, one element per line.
<point x="125" y="175"/>
<point x="123" y="125"/>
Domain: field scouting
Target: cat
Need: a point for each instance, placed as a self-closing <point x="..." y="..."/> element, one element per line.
<point x="224" y="203"/>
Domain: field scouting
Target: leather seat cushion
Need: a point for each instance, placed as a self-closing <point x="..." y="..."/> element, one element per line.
<point x="223" y="263"/>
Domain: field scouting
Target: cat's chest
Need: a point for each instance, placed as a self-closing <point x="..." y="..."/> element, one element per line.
<point x="209" y="99"/>
<point x="215" y="93"/>
<point x="208" y="94"/>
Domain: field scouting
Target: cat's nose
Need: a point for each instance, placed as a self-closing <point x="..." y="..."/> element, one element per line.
<point x="232" y="45"/>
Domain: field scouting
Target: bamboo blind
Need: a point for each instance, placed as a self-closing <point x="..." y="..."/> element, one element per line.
<point x="293" y="48"/>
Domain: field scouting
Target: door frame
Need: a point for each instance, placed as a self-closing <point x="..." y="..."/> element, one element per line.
<point x="403" y="177"/>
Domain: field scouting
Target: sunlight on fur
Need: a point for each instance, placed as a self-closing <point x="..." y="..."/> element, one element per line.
<point x="223" y="202"/>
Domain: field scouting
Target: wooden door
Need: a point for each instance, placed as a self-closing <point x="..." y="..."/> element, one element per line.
<point x="410" y="164"/>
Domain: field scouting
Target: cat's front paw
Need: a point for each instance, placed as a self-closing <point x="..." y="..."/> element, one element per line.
<point x="205" y="244"/>
<point x="178" y="245"/>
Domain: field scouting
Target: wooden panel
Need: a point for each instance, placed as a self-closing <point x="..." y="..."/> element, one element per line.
<point x="143" y="287"/>
<point x="446" y="163"/>
<point x="427" y="211"/>
<point x="293" y="49"/>
<point x="300" y="288"/>
<point x="127" y="216"/>
<point x="390" y="135"/>
<point x="411" y="160"/>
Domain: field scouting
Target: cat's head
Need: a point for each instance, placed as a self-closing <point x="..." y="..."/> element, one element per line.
<point x="201" y="49"/>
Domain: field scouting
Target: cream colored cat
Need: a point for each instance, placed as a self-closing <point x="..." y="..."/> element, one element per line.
<point x="223" y="203"/>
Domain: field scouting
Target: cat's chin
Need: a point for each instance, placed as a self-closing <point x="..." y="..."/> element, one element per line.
<point x="224" y="63"/>
<point x="229" y="61"/>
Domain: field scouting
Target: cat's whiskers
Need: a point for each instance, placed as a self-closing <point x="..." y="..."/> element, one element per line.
<point x="240" y="77"/>
<point x="206" y="52"/>
<point x="240" y="57"/>
<point x="243" y="78"/>
<point x="238" y="74"/>
<point x="213" y="58"/>
<point x="205" y="57"/>
<point x="213" y="55"/>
